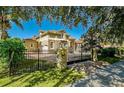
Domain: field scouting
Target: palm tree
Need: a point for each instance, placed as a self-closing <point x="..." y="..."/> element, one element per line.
<point x="11" y="15"/>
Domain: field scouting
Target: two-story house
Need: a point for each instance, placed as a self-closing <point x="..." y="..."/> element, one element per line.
<point x="52" y="40"/>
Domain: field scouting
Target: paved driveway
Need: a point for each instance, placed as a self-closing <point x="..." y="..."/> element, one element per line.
<point x="52" y="57"/>
<point x="110" y="76"/>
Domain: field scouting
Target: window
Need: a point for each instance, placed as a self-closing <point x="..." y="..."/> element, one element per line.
<point x="61" y="35"/>
<point x="31" y="45"/>
<point x="51" y="44"/>
<point x="52" y="36"/>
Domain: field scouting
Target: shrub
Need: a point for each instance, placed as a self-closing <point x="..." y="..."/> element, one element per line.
<point x="110" y="60"/>
<point x="108" y="52"/>
<point x="120" y="50"/>
<point x="12" y="45"/>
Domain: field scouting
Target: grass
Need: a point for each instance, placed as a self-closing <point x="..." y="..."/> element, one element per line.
<point x="110" y="60"/>
<point x="49" y="78"/>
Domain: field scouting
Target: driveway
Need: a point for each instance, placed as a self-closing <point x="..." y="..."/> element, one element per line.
<point x="52" y="57"/>
<point x="110" y="76"/>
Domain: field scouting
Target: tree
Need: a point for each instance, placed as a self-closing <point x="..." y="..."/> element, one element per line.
<point x="108" y="20"/>
<point x="9" y="15"/>
<point x="92" y="41"/>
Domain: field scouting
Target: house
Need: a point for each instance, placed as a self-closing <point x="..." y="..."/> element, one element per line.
<point x="31" y="44"/>
<point x="52" y="40"/>
<point x="78" y="44"/>
<point x="49" y="41"/>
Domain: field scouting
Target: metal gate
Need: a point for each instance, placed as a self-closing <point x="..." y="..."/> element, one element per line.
<point x="37" y="60"/>
<point x="81" y="56"/>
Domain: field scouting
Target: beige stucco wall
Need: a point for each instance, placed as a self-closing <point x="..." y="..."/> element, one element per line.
<point x="31" y="45"/>
<point x="57" y="39"/>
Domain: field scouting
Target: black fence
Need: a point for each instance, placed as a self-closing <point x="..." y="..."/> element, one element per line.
<point x="33" y="61"/>
<point x="26" y="67"/>
<point x="38" y="60"/>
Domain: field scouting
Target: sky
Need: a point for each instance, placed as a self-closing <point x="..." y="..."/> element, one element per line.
<point x="31" y="28"/>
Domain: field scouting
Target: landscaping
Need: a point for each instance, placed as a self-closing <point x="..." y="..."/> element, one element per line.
<point x="17" y="70"/>
<point x="110" y="60"/>
<point x="49" y="78"/>
<point x="54" y="58"/>
<point x="110" y="55"/>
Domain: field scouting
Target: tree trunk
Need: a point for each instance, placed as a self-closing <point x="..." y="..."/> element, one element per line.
<point x="120" y="53"/>
<point x="4" y="35"/>
<point x="94" y="54"/>
<point x="10" y="62"/>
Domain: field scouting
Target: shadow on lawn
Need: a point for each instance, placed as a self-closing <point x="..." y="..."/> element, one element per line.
<point x="2" y="75"/>
<point x="62" y="79"/>
<point x="37" y="78"/>
<point x="49" y="76"/>
<point x="14" y="80"/>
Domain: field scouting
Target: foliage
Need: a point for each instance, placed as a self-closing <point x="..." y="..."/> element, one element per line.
<point x="115" y="34"/>
<point x="62" y="58"/>
<point x="108" y="52"/>
<point x="109" y="20"/>
<point x="12" y="45"/>
<point x="3" y="66"/>
<point x="49" y="78"/>
<point x="110" y="60"/>
<point x="9" y="15"/>
<point x="120" y="50"/>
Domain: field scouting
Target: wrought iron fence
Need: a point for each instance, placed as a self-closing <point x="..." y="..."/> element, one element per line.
<point x="38" y="60"/>
<point x="33" y="60"/>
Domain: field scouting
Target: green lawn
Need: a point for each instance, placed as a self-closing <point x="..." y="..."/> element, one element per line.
<point x="49" y="78"/>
